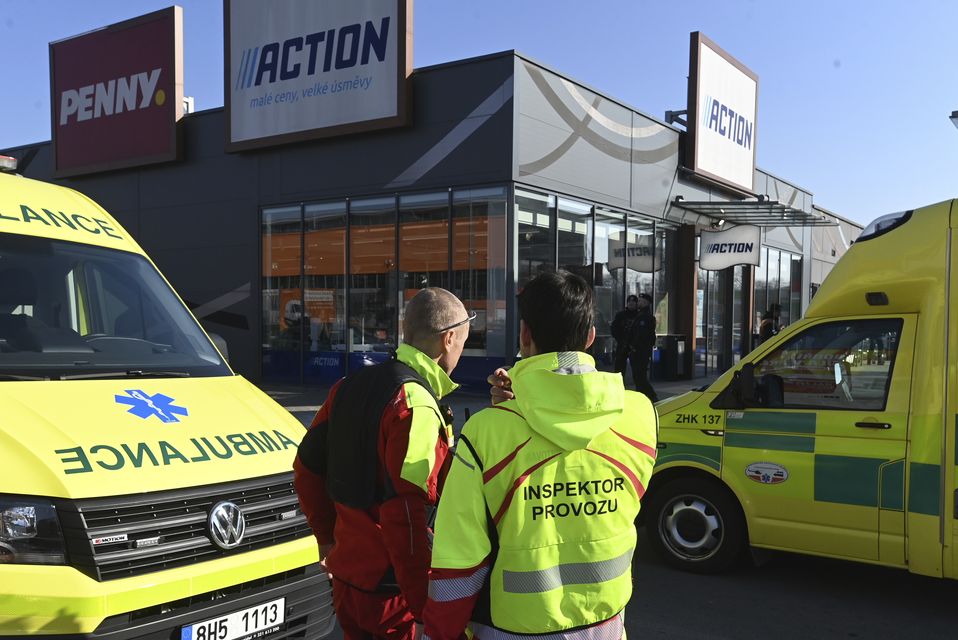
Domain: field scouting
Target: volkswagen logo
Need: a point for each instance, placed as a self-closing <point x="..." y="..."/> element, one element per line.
<point x="227" y="525"/>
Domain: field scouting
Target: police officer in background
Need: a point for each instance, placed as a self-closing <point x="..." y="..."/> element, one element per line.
<point x="373" y="462"/>
<point x="536" y="529"/>
<point x="634" y="333"/>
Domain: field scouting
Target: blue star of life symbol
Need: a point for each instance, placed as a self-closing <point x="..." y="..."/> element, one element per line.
<point x="143" y="405"/>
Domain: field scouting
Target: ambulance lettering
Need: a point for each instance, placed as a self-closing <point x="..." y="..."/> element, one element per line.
<point x="163" y="453"/>
<point x="129" y="93"/>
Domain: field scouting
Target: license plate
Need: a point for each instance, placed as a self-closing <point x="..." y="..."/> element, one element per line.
<point x="255" y="622"/>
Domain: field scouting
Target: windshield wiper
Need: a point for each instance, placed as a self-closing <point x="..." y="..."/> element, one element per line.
<point x="129" y="373"/>
<point x="14" y="376"/>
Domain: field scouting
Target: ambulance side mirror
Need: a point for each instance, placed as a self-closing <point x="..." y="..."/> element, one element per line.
<point x="745" y="391"/>
<point x="740" y="393"/>
<point x="220" y="343"/>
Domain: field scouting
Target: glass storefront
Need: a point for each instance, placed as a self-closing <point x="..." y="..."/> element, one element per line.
<point x="479" y="265"/>
<point x="283" y="330"/>
<point x="372" y="323"/>
<point x="778" y="285"/>
<point x="619" y="253"/>
<point x="609" y="284"/>
<point x="336" y="276"/>
<point x="536" y="238"/>
<point x="479" y="239"/>
<point x="732" y="304"/>
<point x="324" y="289"/>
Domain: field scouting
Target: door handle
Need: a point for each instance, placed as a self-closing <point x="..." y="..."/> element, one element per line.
<point x="873" y="425"/>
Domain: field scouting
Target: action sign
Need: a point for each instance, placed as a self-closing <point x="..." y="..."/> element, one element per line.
<point x="723" y="103"/>
<point x="738" y="245"/>
<point x="117" y="94"/>
<point x="301" y="69"/>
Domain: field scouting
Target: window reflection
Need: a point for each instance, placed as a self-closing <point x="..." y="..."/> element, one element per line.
<point x="608" y="285"/>
<point x="665" y="285"/>
<point x="373" y="296"/>
<point x="836" y="365"/>
<point x="535" y="217"/>
<point x="479" y="259"/>
<point x="423" y="244"/>
<point x="283" y="329"/>
<point x="324" y="291"/>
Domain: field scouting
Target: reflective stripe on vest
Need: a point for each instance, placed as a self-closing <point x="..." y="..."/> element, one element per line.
<point x="565" y="574"/>
<point x="611" y="629"/>
<point x="448" y="589"/>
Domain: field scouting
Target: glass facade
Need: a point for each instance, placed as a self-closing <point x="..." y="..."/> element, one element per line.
<point x="732" y="304"/>
<point x="609" y="284"/>
<point x="536" y="238"/>
<point x="324" y="289"/>
<point x="282" y="291"/>
<point x="479" y="266"/>
<point x="619" y="253"/>
<point x="778" y="281"/>
<point x="336" y="276"/>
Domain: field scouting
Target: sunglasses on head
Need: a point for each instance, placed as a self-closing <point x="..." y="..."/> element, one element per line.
<point x="472" y="316"/>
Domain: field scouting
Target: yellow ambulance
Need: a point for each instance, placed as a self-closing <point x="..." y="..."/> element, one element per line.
<point x="145" y="489"/>
<point x="837" y="437"/>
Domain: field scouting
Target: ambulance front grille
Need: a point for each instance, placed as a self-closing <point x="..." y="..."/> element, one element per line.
<point x="123" y="536"/>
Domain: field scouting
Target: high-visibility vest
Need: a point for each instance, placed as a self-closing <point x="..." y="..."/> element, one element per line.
<point x="561" y="523"/>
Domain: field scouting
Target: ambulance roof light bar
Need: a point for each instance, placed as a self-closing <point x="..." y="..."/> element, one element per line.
<point x="8" y="164"/>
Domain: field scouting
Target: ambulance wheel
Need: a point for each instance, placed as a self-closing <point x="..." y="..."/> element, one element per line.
<point x="695" y="525"/>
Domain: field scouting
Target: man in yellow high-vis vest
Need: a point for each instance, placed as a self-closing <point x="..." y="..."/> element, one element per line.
<point x="535" y="532"/>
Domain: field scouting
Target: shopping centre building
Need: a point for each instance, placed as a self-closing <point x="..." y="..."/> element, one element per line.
<point x="302" y="250"/>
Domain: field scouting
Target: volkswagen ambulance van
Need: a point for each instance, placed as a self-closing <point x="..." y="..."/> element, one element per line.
<point x="837" y="437"/>
<point x="145" y="489"/>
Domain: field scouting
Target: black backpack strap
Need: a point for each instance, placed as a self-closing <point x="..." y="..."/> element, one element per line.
<point x="353" y="433"/>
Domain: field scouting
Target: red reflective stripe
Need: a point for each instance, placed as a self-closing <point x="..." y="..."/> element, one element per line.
<point x="508" y="499"/>
<point x="495" y="406"/>
<point x="639" y="489"/>
<point x="635" y="443"/>
<point x="499" y="466"/>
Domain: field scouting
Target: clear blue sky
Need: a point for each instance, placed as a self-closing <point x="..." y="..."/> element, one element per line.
<point x="854" y="95"/>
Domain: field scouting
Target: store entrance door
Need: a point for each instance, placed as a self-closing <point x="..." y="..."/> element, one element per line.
<point x="722" y="335"/>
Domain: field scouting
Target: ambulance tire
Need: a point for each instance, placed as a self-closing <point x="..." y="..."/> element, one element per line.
<point x="695" y="525"/>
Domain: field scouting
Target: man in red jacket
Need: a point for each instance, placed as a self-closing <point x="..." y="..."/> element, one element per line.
<point x="373" y="461"/>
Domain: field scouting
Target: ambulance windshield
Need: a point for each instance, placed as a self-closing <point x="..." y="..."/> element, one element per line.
<point x="74" y="311"/>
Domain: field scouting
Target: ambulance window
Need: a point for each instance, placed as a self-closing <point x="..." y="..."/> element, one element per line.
<point x="835" y="365"/>
<point x="72" y="311"/>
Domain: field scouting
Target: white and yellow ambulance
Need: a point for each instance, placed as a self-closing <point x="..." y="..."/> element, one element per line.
<point x="837" y="437"/>
<point x="145" y="489"/>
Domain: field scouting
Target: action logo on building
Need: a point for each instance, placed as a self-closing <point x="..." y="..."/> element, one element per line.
<point x="738" y="245"/>
<point x="641" y="252"/>
<point x="117" y="94"/>
<point x="723" y="102"/>
<point x="300" y="69"/>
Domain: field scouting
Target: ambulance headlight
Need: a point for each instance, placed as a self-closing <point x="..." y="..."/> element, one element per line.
<point x="29" y="532"/>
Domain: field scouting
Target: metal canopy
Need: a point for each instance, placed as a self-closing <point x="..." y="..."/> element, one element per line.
<point x="761" y="212"/>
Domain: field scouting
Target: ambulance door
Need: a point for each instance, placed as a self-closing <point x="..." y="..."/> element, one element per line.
<point x="820" y="459"/>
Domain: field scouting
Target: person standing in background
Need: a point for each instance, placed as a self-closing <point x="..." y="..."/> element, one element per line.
<point x="634" y="332"/>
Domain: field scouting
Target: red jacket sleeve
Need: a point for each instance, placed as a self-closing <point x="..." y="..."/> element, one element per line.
<point x="309" y="476"/>
<point x="403" y="517"/>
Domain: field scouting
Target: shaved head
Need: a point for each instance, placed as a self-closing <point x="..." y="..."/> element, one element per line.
<point x="429" y="311"/>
